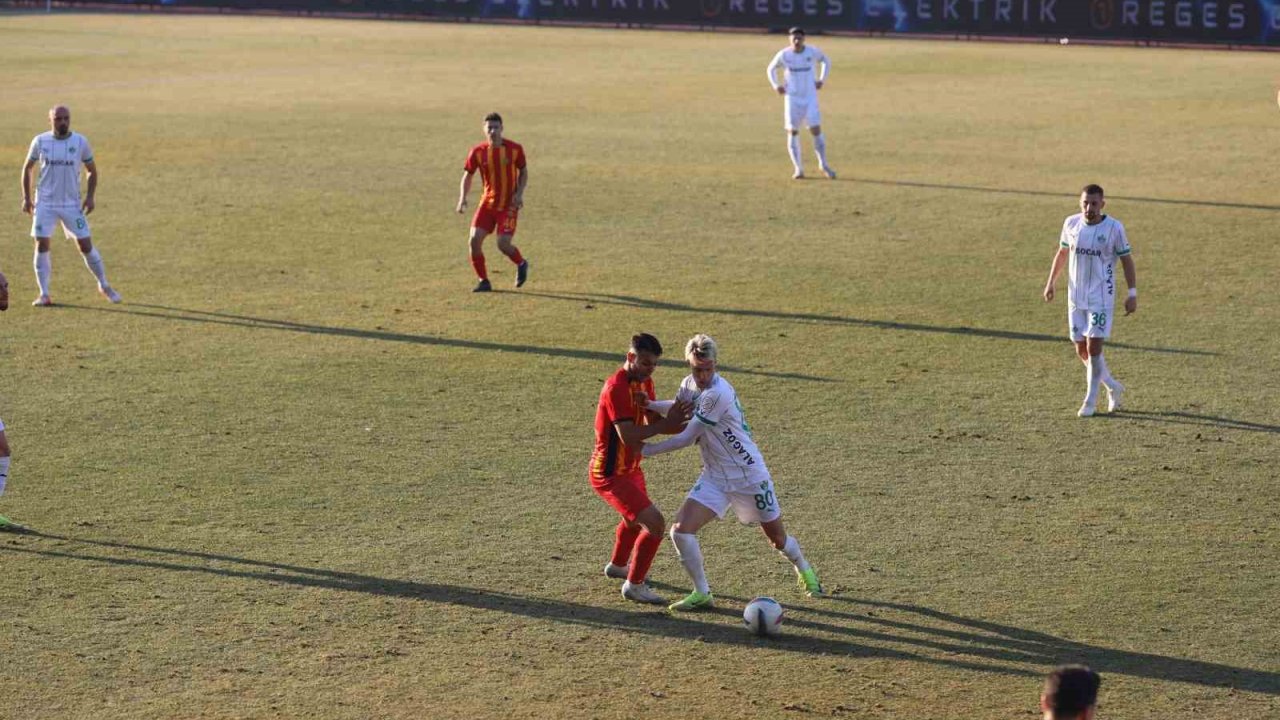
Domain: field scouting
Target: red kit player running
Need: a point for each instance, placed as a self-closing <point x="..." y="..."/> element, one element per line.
<point x="625" y="417"/>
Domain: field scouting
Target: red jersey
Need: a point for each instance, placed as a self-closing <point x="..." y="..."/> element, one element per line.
<point x="618" y="402"/>
<point x="499" y="168"/>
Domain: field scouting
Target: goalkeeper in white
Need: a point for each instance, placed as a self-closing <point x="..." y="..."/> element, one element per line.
<point x="733" y="475"/>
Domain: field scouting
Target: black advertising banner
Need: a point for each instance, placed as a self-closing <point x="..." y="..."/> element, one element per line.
<point x="1202" y="21"/>
<point x="1238" y="22"/>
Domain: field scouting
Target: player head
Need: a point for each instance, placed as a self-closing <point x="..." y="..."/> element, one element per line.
<point x="493" y="128"/>
<point x="700" y="351"/>
<point x="1070" y="693"/>
<point x="797" y="38"/>
<point x="1092" y="200"/>
<point x="642" y="357"/>
<point x="60" y="120"/>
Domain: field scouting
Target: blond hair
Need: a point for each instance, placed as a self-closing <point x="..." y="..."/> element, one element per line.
<point x="700" y="347"/>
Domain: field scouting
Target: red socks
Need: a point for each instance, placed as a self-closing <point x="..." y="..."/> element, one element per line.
<point x="477" y="263"/>
<point x="646" y="550"/>
<point x="626" y="539"/>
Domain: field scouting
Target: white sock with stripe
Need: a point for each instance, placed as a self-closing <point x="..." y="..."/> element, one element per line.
<point x="93" y="261"/>
<point x="44" y="269"/>
<point x="791" y="551"/>
<point x="793" y="149"/>
<point x="690" y="553"/>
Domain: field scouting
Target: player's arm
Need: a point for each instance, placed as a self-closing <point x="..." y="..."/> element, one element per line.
<point x="633" y="435"/>
<point x="825" y="62"/>
<point x="772" y="73"/>
<point x="1130" y="279"/>
<point x="692" y="431"/>
<point x="26" y="186"/>
<point x="91" y="169"/>
<point x="1059" y="261"/>
<point x="464" y="189"/>
<point x="517" y="198"/>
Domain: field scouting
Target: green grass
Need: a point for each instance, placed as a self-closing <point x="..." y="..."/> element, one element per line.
<point x="303" y="472"/>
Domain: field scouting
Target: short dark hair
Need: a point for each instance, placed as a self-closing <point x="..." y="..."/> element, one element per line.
<point x="644" y="342"/>
<point x="493" y="117"/>
<point x="1070" y="690"/>
<point x="1092" y="189"/>
<point x="796" y="31"/>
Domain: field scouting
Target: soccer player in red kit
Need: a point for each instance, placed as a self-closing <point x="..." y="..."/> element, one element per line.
<point x="623" y="422"/>
<point x="505" y="173"/>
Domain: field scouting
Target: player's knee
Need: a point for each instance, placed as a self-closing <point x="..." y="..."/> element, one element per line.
<point x="86" y="245"/>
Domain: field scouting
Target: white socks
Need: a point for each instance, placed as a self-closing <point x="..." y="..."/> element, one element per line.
<point x="690" y="553"/>
<point x="793" y="149"/>
<point x="1093" y="374"/>
<point x="93" y="261"/>
<point x="791" y="551"/>
<point x="4" y="472"/>
<point x="820" y="148"/>
<point x="44" y="268"/>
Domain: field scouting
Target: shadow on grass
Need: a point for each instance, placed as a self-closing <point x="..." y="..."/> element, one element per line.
<point x="1071" y="196"/>
<point x="256" y="323"/>
<point x="1184" y="418"/>
<point x="927" y="636"/>
<point x="645" y="303"/>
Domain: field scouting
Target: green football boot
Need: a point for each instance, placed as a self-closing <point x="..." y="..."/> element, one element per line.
<point x="807" y="580"/>
<point x="695" y="601"/>
<point x="7" y="525"/>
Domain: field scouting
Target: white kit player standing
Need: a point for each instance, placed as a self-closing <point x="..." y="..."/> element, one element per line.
<point x="1093" y="242"/>
<point x="733" y="474"/>
<point x="799" y="87"/>
<point x="61" y="154"/>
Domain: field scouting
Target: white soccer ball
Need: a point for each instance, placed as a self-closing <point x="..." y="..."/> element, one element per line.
<point x="763" y="617"/>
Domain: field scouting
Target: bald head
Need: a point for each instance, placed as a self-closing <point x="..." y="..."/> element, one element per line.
<point x="60" y="120"/>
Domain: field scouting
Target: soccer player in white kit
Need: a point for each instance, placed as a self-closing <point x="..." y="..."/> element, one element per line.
<point x="61" y="154"/>
<point x="1093" y="242"/>
<point x="733" y="474"/>
<point x="799" y="88"/>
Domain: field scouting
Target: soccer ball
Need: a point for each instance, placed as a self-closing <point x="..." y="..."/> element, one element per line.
<point x="763" y="617"/>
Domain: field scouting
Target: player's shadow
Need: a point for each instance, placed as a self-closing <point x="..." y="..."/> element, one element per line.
<point x="1185" y="418"/>
<point x="1045" y="193"/>
<point x="257" y="323"/>
<point x="857" y="629"/>
<point x="648" y="304"/>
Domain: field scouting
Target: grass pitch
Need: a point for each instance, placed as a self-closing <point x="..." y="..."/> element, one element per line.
<point x="303" y="471"/>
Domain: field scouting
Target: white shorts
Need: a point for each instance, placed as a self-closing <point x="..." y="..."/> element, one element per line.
<point x="1089" y="324"/>
<point x="1" y="425"/>
<point x="800" y="111"/>
<point x="73" y="222"/>
<point x="753" y="503"/>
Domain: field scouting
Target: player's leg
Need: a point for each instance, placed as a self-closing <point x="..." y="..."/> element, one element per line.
<point x="692" y="517"/>
<point x="5" y="523"/>
<point x="624" y="543"/>
<point x="652" y="525"/>
<point x="1097" y="329"/>
<point x="476" y="249"/>
<point x="44" y="271"/>
<point x="792" y="116"/>
<point x="1078" y="321"/>
<point x="819" y="141"/>
<point x="760" y="505"/>
<point x="506" y="229"/>
<point x="93" y="259"/>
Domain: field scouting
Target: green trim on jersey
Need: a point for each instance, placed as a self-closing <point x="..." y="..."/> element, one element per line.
<point x="699" y="417"/>
<point x="1122" y="253"/>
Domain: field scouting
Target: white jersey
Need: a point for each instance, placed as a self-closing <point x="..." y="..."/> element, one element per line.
<point x="60" y="163"/>
<point x="729" y="453"/>
<point x="799" y="77"/>
<point x="1091" y="279"/>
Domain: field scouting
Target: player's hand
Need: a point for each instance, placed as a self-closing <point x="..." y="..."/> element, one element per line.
<point x="27" y="207"/>
<point x="462" y="206"/>
<point x="676" y="418"/>
<point x="517" y="201"/>
<point x="87" y="207"/>
<point x="1130" y="305"/>
<point x="1048" y="293"/>
<point x="781" y="89"/>
<point x="4" y="293"/>
<point x="817" y="84"/>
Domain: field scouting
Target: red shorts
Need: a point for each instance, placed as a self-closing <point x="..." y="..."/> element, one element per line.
<point x="626" y="493"/>
<point x="501" y="221"/>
